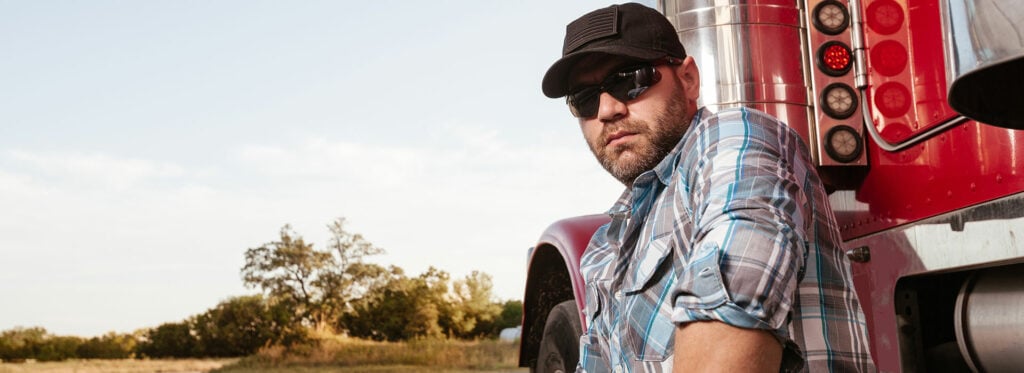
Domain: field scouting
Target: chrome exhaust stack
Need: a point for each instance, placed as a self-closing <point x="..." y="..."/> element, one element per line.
<point x="984" y="47"/>
<point x="736" y="44"/>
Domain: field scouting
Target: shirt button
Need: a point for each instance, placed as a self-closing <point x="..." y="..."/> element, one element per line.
<point x="618" y="369"/>
<point x="618" y="295"/>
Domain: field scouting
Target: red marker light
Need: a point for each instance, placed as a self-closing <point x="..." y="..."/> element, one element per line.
<point x="889" y="57"/>
<point x="885" y="16"/>
<point x="835" y="58"/>
<point x="892" y="99"/>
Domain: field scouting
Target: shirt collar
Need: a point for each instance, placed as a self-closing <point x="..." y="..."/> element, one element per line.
<point x="622" y="205"/>
<point x="665" y="168"/>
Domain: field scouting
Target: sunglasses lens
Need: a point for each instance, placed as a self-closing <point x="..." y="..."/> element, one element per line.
<point x="645" y="78"/>
<point x="631" y="84"/>
<point x="583" y="104"/>
<point x="624" y="86"/>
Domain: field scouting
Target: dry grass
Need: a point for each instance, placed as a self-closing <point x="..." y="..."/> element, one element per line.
<point x="333" y="354"/>
<point x="353" y="355"/>
<point x="119" y="366"/>
<point x="372" y="369"/>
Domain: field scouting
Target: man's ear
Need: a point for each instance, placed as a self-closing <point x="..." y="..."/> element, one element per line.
<point x="690" y="76"/>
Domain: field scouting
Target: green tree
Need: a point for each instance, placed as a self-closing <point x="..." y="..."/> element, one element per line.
<point x="21" y="343"/>
<point x="170" y="340"/>
<point x="317" y="285"/>
<point x="511" y="315"/>
<point x="401" y="308"/>
<point x="474" y="309"/>
<point x="107" y="346"/>
<point x="36" y="343"/>
<point x="241" y="325"/>
<point x="57" y="348"/>
<point x="350" y="277"/>
<point x="287" y="270"/>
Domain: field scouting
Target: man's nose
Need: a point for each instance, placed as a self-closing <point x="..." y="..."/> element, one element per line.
<point x="610" y="109"/>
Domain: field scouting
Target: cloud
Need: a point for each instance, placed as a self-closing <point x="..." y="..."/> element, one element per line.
<point x="461" y="157"/>
<point x="94" y="170"/>
<point x="316" y="159"/>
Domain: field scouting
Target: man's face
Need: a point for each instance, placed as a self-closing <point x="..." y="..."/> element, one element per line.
<point x="629" y="138"/>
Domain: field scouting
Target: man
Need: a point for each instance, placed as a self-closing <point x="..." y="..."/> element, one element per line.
<point x="722" y="253"/>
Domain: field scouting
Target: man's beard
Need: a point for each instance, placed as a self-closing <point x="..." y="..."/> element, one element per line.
<point x="666" y="132"/>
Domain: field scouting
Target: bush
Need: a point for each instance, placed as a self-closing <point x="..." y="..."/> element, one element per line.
<point x="57" y="348"/>
<point x="21" y="343"/>
<point x="240" y="326"/>
<point x="170" y="340"/>
<point x="109" y="346"/>
<point x="399" y="309"/>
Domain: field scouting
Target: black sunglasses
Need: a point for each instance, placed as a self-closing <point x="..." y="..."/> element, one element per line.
<point x="625" y="85"/>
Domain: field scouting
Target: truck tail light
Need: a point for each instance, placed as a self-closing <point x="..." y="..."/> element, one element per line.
<point x="835" y="58"/>
<point x="831" y="17"/>
<point x="843" y="143"/>
<point x="892" y="99"/>
<point x="885" y="16"/>
<point x="889" y="57"/>
<point x="839" y="101"/>
<point x="837" y="105"/>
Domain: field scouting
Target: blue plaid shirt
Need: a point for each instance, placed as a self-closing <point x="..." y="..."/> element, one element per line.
<point x="732" y="226"/>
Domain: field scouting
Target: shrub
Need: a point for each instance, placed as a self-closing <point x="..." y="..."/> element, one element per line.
<point x="170" y="340"/>
<point x="241" y="325"/>
<point x="109" y="346"/>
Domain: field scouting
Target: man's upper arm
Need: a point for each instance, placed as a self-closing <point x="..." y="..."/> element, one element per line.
<point x="734" y="349"/>
<point x="747" y="239"/>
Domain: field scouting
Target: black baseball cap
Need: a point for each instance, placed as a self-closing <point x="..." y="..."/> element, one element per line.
<point x="629" y="30"/>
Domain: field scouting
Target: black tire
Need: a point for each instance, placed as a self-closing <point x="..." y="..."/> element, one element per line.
<point x="560" y="344"/>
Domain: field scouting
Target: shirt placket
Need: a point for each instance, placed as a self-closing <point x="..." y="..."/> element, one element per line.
<point x="644" y="193"/>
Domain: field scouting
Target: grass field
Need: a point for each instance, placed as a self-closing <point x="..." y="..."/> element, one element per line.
<point x="352" y="355"/>
<point x="119" y="366"/>
<point x="336" y="354"/>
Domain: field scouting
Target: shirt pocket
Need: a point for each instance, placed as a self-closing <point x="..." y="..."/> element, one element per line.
<point x="650" y="333"/>
<point x="700" y="284"/>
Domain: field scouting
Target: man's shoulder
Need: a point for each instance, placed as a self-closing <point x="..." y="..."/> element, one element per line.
<point x="741" y="115"/>
<point x="744" y="131"/>
<point x="743" y="122"/>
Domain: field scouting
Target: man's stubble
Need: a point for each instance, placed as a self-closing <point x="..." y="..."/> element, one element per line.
<point x="626" y="162"/>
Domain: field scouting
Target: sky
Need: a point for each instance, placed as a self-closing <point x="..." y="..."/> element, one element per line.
<point x="145" y="145"/>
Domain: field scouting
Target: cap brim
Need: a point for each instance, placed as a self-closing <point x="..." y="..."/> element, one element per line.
<point x="556" y="80"/>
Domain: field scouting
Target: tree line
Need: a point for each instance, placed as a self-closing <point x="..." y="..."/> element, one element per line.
<point x="305" y="292"/>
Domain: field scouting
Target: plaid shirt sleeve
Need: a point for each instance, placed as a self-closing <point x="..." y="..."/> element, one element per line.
<point x="749" y="214"/>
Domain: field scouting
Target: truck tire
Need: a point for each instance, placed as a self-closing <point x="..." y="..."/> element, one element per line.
<point x="560" y="345"/>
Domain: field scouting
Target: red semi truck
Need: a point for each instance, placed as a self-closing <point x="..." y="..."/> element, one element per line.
<point x="914" y="112"/>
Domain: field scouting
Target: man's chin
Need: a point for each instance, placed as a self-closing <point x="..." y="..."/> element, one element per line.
<point x="623" y="154"/>
<point x="628" y="165"/>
